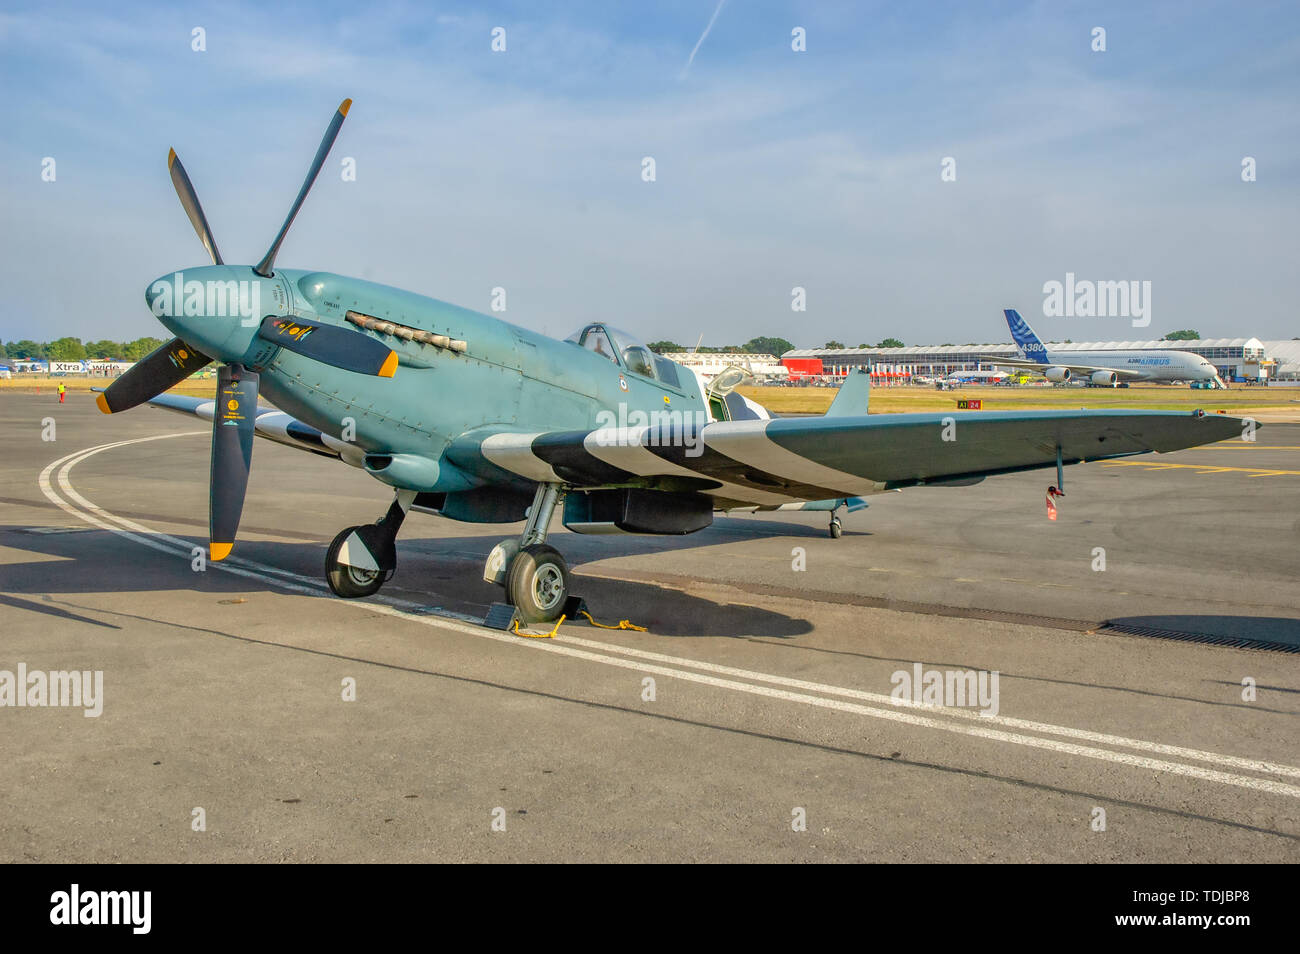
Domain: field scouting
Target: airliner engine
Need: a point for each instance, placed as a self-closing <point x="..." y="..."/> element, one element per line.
<point x="1057" y="375"/>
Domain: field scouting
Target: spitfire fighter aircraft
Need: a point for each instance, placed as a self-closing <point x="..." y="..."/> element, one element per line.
<point x="479" y="420"/>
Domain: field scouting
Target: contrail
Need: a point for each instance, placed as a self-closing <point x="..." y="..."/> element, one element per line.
<point x="691" y="59"/>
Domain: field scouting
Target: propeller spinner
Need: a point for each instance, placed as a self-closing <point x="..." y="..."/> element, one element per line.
<point x="235" y="410"/>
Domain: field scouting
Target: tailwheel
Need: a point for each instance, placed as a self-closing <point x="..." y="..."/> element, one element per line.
<point x="537" y="583"/>
<point x="350" y="582"/>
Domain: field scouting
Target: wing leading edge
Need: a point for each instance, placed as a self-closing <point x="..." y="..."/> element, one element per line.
<point x="271" y="424"/>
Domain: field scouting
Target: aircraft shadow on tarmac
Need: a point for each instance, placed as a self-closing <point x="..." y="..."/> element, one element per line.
<point x="444" y="572"/>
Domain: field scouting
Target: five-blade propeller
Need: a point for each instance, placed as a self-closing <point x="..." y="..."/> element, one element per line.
<point x="235" y="411"/>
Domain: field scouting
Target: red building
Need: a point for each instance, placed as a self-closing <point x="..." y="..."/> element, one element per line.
<point x="801" y="369"/>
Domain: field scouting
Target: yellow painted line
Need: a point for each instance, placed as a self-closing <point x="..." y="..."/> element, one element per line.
<point x="1236" y="445"/>
<point x="1204" y="468"/>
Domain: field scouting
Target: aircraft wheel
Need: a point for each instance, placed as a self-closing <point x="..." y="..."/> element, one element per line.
<point x="538" y="583"/>
<point x="836" y="528"/>
<point x="349" y="582"/>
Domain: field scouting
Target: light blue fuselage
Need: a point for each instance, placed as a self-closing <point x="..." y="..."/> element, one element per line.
<point x="507" y="378"/>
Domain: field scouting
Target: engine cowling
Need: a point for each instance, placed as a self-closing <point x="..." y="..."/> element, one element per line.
<point x="1057" y="375"/>
<point x="1104" y="379"/>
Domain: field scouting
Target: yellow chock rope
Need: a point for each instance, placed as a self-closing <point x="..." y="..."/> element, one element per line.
<point x="622" y="624"/>
<point x="549" y="635"/>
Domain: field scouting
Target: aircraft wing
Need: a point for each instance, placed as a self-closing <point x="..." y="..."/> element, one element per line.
<point x="284" y="429"/>
<point x="770" y="463"/>
<point x="1082" y="369"/>
<point x="271" y="424"/>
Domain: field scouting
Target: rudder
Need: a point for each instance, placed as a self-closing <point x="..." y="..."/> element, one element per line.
<point x="1024" y="337"/>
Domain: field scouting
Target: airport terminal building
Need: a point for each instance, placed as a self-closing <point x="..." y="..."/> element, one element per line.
<point x="1235" y="358"/>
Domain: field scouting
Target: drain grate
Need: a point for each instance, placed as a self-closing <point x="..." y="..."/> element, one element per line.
<point x="1213" y="639"/>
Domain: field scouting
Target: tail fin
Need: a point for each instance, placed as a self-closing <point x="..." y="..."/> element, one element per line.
<point x="1025" y="338"/>
<point x="852" y="397"/>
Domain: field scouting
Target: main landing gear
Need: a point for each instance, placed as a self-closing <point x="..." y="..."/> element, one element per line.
<point x="362" y="559"/>
<point x="836" y="528"/>
<point x="535" y="576"/>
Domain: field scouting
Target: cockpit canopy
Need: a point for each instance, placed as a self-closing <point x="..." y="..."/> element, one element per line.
<point x="625" y="351"/>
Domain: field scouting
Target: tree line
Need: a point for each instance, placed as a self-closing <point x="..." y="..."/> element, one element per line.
<point x="779" y="346"/>
<point x="74" y="349"/>
<point x="760" y="345"/>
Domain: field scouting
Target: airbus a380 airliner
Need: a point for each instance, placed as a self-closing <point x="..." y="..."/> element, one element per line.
<point x="1103" y="368"/>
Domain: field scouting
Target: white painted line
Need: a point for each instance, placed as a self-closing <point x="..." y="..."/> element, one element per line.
<point x="1250" y="765"/>
<point x="571" y="646"/>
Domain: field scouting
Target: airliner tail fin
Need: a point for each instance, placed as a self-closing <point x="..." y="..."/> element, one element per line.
<point x="1024" y="337"/>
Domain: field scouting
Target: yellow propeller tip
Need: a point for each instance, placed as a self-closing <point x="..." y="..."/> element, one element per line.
<point x="345" y="106"/>
<point x="102" y="401"/>
<point x="219" y="551"/>
<point x="171" y="158"/>
<point x="389" y="367"/>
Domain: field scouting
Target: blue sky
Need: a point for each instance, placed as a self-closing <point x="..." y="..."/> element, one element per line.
<point x="521" y="169"/>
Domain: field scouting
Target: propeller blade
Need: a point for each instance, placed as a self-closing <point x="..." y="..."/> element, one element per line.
<point x="190" y="202"/>
<point x="149" y="377"/>
<point x="329" y="344"/>
<point x="264" y="267"/>
<point x="232" y="455"/>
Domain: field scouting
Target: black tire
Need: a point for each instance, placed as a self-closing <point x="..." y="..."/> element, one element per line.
<point x="510" y="575"/>
<point x="538" y="583"/>
<point x="348" y="581"/>
<point x="836" y="528"/>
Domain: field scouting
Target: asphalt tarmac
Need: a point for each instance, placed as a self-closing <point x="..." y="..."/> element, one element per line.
<point x="1129" y="722"/>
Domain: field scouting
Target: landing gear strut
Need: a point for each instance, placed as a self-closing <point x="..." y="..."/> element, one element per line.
<point x="535" y="576"/>
<point x="362" y="559"/>
<point x="836" y="528"/>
